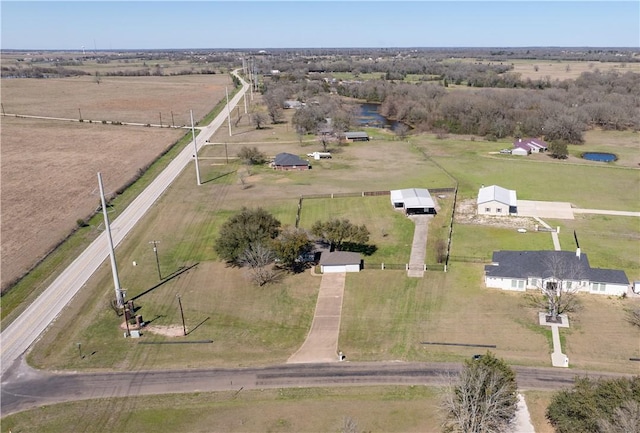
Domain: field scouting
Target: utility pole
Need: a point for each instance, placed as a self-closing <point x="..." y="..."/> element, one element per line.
<point x="155" y="251"/>
<point x="161" y="119"/>
<point x="228" y="110"/>
<point x="244" y="96"/>
<point x="195" y="148"/>
<point x="112" y="256"/>
<point x="184" y="328"/>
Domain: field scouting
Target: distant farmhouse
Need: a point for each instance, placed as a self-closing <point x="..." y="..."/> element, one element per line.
<point x="495" y="200"/>
<point x="413" y="201"/>
<point x="288" y="161"/>
<point x="355" y="136"/>
<point x="522" y="270"/>
<point x="527" y="146"/>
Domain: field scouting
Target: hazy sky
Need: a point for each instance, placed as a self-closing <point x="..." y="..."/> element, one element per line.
<point x="280" y="24"/>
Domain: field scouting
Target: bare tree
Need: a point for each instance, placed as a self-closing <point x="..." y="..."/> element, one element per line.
<point x="402" y="131"/>
<point x="626" y="418"/>
<point x="483" y="399"/>
<point x="259" y="260"/>
<point x="559" y="286"/>
<point x="633" y="316"/>
<point x="259" y="119"/>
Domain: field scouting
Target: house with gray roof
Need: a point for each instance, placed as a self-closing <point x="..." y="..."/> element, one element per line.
<point x="495" y="200"/>
<point x="288" y="161"/>
<point x="522" y="270"/>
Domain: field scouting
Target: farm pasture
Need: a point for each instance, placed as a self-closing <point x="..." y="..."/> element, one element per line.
<point x="49" y="167"/>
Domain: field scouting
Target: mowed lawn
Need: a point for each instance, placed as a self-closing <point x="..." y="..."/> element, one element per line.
<point x="386" y="315"/>
<point x="401" y="409"/>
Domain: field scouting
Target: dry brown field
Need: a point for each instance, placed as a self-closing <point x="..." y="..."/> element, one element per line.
<point x="564" y="70"/>
<point x="48" y="167"/>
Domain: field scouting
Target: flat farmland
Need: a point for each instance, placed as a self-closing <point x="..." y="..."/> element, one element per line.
<point x="49" y="166"/>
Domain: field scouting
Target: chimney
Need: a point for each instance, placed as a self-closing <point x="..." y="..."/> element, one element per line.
<point x="578" y="253"/>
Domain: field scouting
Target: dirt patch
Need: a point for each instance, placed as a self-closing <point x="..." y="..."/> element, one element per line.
<point x="167" y="331"/>
<point x="466" y="213"/>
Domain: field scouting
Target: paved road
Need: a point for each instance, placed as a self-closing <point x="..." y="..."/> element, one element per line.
<point x="20" y="334"/>
<point x="27" y="388"/>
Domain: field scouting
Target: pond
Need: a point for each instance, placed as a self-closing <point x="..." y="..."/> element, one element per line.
<point x="599" y="156"/>
<point x="369" y="116"/>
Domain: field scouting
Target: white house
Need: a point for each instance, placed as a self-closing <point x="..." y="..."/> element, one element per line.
<point x="530" y="145"/>
<point x="522" y="270"/>
<point x="413" y="201"/>
<point x="340" y="261"/>
<point x="495" y="200"/>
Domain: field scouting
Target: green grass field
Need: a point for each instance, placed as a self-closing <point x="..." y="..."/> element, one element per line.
<point x="388" y="409"/>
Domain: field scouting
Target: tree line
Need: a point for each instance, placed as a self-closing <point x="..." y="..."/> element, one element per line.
<point x="560" y="111"/>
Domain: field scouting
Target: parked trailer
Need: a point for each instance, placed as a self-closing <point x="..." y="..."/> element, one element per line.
<point x="319" y="155"/>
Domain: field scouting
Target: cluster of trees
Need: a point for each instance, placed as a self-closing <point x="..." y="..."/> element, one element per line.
<point x="559" y="111"/>
<point x="597" y="406"/>
<point x="483" y="399"/>
<point x="40" y="72"/>
<point x="255" y="239"/>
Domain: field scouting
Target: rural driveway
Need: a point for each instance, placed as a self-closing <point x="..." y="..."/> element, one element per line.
<point x="321" y="344"/>
<point x="607" y="212"/>
<point x="22" y="332"/>
<point x="545" y="209"/>
<point x="419" y="245"/>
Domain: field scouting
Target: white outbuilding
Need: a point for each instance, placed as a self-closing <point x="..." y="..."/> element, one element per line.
<point x="413" y="201"/>
<point x="340" y="261"/>
<point x="495" y="200"/>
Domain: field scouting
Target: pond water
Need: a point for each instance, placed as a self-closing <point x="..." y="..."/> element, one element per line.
<point x="369" y="116"/>
<point x="599" y="156"/>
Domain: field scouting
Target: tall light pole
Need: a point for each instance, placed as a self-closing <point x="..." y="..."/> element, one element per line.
<point x="112" y="255"/>
<point x="155" y="251"/>
<point x="184" y="328"/>
<point x="195" y="149"/>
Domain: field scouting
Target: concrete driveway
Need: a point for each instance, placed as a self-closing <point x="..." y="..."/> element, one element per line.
<point x="321" y="344"/>
<point x="545" y="209"/>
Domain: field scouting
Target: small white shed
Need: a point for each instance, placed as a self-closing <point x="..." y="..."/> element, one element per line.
<point x="340" y="261"/>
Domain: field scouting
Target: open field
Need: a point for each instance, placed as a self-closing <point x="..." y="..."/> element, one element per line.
<point x="552" y="69"/>
<point x="380" y="409"/>
<point x="49" y="167"/>
<point x="565" y="70"/>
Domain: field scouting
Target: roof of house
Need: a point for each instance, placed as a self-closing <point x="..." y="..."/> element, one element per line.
<point x="562" y="265"/>
<point x="530" y="144"/>
<point x="497" y="193"/>
<point x="413" y="198"/>
<point x="288" y="159"/>
<point x="340" y="258"/>
<point x="358" y="134"/>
